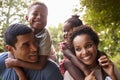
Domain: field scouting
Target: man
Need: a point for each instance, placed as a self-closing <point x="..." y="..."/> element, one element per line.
<point x="20" y="42"/>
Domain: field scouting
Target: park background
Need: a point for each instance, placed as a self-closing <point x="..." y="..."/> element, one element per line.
<point x="102" y="15"/>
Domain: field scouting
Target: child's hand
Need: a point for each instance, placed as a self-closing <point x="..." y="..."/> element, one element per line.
<point x="62" y="46"/>
<point x="10" y="62"/>
<point x="107" y="65"/>
<point x="91" y="76"/>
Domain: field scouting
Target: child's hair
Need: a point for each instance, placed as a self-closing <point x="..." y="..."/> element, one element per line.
<point x="13" y="31"/>
<point x="74" y="21"/>
<point x="38" y="3"/>
<point x="84" y="29"/>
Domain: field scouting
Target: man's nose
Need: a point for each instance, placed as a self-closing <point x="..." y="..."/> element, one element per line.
<point x="34" y="47"/>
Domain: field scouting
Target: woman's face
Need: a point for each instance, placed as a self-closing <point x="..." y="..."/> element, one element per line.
<point x="85" y="49"/>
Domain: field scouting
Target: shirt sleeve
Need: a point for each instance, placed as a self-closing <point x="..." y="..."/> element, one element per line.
<point x="52" y="72"/>
<point x="117" y="72"/>
<point x="3" y="56"/>
<point x="45" y="44"/>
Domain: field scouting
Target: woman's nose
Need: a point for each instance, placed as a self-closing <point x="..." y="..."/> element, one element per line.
<point x="84" y="51"/>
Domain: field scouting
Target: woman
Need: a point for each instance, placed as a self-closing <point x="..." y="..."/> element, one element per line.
<point x="84" y="44"/>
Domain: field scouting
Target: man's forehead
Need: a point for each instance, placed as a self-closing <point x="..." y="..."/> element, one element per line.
<point x="28" y="36"/>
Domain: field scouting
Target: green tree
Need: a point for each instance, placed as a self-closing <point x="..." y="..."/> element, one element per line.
<point x="104" y="17"/>
<point x="56" y="35"/>
<point x="11" y="11"/>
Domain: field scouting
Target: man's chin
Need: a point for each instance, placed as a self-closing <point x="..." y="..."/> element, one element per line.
<point x="33" y="59"/>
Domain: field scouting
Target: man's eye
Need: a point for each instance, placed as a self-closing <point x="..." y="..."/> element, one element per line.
<point x="26" y="45"/>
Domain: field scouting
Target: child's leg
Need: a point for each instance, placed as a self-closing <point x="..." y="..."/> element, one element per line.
<point x="20" y="73"/>
<point x="76" y="73"/>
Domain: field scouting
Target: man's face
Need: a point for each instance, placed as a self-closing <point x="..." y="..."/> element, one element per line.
<point x="37" y="17"/>
<point x="26" y="48"/>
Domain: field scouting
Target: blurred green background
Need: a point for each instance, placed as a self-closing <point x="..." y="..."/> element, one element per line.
<point x="102" y="15"/>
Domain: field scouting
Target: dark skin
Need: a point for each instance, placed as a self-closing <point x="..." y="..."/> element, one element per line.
<point x="20" y="74"/>
<point x="18" y="70"/>
<point x="36" y="66"/>
<point x="75" y="67"/>
<point x="11" y="62"/>
<point x="37" y="18"/>
<point x="73" y="70"/>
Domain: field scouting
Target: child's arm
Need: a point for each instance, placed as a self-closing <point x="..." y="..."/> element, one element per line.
<point x="10" y="62"/>
<point x="107" y="66"/>
<point x="20" y="73"/>
<point x="74" y="71"/>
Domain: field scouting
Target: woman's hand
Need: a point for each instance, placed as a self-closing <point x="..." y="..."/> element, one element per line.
<point x="107" y="66"/>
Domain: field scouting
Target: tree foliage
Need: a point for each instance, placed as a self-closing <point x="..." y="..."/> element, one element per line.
<point x="104" y="17"/>
<point x="11" y="11"/>
<point x="56" y="34"/>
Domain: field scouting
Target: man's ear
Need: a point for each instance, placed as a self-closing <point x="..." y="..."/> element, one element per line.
<point x="9" y="48"/>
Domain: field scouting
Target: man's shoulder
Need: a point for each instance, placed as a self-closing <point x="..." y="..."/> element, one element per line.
<point x="4" y="54"/>
<point x="51" y="67"/>
<point x="52" y="71"/>
<point x="51" y="63"/>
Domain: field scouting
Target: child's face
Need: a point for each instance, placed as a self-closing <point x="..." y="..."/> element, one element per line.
<point x="67" y="31"/>
<point x="85" y="49"/>
<point x="37" y="17"/>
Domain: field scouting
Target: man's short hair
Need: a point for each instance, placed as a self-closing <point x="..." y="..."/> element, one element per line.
<point x="14" y="30"/>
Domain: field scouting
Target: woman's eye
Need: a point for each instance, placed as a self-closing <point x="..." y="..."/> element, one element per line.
<point x="89" y="45"/>
<point x="78" y="49"/>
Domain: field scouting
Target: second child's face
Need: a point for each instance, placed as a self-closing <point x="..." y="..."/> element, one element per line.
<point x="85" y="49"/>
<point x="37" y="17"/>
<point x="67" y="31"/>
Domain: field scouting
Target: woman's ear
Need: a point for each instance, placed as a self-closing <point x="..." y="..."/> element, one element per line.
<point x="9" y="48"/>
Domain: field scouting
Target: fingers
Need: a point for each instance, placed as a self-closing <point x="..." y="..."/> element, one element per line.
<point x="92" y="73"/>
<point x="104" y="61"/>
<point x="9" y="62"/>
<point x="91" y="76"/>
